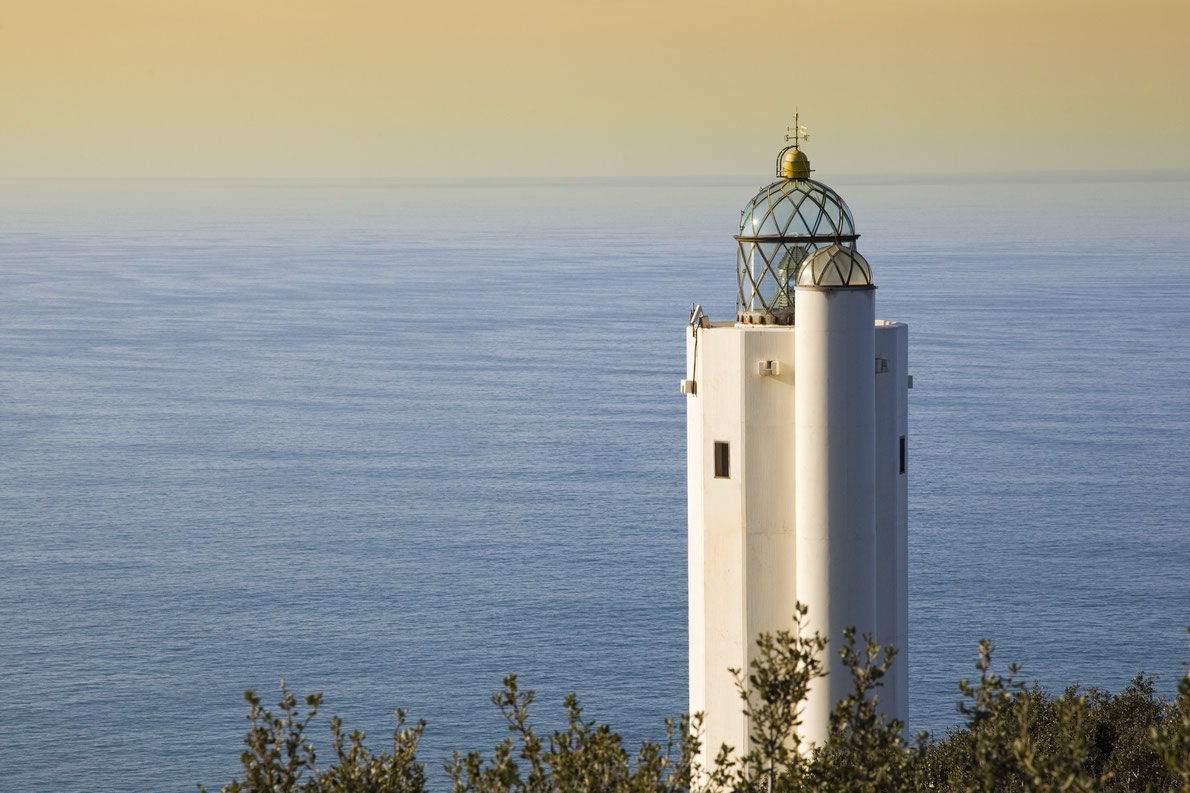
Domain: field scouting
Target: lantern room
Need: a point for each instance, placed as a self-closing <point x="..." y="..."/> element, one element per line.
<point x="780" y="227"/>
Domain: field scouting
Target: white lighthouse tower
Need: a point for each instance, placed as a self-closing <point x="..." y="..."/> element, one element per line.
<point x="796" y="429"/>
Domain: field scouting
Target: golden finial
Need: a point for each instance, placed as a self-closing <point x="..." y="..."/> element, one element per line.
<point x="792" y="163"/>
<point x="799" y="132"/>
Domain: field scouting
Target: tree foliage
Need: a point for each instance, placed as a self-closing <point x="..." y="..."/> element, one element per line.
<point x="1015" y="739"/>
<point x="585" y="756"/>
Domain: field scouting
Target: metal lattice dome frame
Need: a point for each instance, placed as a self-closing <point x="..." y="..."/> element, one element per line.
<point x="783" y="224"/>
<point x="835" y="266"/>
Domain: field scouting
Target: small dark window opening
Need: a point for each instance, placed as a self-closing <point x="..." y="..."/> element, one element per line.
<point x="722" y="460"/>
<point x="902" y="454"/>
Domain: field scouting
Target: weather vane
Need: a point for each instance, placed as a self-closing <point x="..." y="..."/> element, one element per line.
<point x="799" y="132"/>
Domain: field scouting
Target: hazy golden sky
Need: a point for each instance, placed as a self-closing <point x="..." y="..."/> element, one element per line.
<point x="558" y="87"/>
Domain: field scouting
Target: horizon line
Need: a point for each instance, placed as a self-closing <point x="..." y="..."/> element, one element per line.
<point x="930" y="177"/>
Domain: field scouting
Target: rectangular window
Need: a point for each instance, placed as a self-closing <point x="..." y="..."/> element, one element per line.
<point x="722" y="460"/>
<point x="902" y="454"/>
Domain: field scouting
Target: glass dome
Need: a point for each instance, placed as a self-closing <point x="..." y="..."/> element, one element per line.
<point x="783" y="224"/>
<point x="835" y="266"/>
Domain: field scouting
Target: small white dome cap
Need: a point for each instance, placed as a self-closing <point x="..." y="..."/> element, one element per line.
<point x="834" y="266"/>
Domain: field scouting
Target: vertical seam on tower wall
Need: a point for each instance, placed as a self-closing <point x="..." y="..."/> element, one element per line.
<point x="741" y="455"/>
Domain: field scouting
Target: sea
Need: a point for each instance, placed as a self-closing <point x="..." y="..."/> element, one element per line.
<point x="393" y="440"/>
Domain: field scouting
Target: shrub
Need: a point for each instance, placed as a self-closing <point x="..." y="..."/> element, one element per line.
<point x="1015" y="739"/>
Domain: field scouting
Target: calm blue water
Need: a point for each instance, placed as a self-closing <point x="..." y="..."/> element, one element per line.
<point x="393" y="440"/>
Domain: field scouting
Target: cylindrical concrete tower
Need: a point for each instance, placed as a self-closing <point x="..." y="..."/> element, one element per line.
<point x="835" y="481"/>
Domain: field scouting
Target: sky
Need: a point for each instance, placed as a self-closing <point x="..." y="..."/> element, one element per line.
<point x="548" y="88"/>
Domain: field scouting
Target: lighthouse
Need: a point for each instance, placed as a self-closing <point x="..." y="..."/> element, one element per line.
<point x="797" y="475"/>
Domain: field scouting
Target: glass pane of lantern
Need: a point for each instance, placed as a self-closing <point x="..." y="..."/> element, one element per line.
<point x="830" y="275"/>
<point x="768" y="227"/>
<point x="782" y="212"/>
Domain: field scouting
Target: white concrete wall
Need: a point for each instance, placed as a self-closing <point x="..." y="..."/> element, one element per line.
<point x="716" y="557"/>
<point x="836" y="520"/>
<point x="769" y="526"/>
<point x="742" y="531"/>
<point x="892" y="512"/>
<point x="744" y="562"/>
